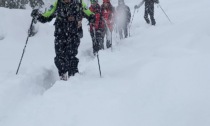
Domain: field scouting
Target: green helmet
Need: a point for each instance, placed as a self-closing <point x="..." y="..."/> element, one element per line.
<point x="93" y="1"/>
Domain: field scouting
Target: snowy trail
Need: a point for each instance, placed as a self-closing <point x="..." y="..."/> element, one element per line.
<point x="157" y="77"/>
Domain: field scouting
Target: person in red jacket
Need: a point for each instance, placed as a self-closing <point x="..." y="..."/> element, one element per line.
<point x="97" y="28"/>
<point x="107" y="11"/>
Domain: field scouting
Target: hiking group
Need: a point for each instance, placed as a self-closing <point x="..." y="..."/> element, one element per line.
<point x="103" y="19"/>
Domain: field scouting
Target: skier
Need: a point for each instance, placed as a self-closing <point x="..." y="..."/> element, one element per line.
<point x="123" y="16"/>
<point x="87" y="14"/>
<point x="108" y="11"/>
<point x="68" y="14"/>
<point x="149" y="10"/>
<point x="97" y="28"/>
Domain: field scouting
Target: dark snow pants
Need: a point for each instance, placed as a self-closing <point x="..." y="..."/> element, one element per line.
<point x="123" y="30"/>
<point x="98" y="40"/>
<point x="108" y="34"/>
<point x="149" y="10"/>
<point x="66" y="49"/>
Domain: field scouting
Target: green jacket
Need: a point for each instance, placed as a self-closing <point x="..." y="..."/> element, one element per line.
<point x="51" y="11"/>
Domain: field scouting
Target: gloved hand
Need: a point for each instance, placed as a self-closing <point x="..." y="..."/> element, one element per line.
<point x="157" y="1"/>
<point x="95" y="48"/>
<point x="35" y="13"/>
<point x="135" y="7"/>
<point x="80" y="32"/>
<point x="92" y="18"/>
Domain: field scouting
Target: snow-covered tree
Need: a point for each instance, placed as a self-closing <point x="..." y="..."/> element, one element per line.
<point x="20" y="3"/>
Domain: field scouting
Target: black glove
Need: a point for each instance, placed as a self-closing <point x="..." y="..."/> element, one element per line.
<point x="92" y="18"/>
<point x="35" y="13"/>
<point x="95" y="48"/>
<point x="80" y="32"/>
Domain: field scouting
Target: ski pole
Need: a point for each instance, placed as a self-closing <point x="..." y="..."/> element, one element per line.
<point x="99" y="64"/>
<point x="164" y="13"/>
<point x="135" y="8"/>
<point x="131" y="22"/>
<point x="111" y="42"/>
<point x="94" y="31"/>
<point x="25" y="44"/>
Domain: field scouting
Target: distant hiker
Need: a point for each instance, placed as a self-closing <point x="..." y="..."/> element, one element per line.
<point x="123" y="16"/>
<point x="87" y="14"/>
<point x="97" y="28"/>
<point x="107" y="11"/>
<point x="149" y="10"/>
<point x="68" y="14"/>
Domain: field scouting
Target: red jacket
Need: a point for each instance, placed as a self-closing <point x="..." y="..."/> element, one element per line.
<point x="107" y="14"/>
<point x="99" y="24"/>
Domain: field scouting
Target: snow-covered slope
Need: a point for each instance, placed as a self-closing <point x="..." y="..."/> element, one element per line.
<point x="157" y="77"/>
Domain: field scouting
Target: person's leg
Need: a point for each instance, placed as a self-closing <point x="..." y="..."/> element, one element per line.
<point x="103" y="32"/>
<point x="60" y="58"/>
<point x="151" y="13"/>
<point x="126" y="31"/>
<point x="108" y="39"/>
<point x="120" y="32"/>
<point x="146" y="12"/>
<point x="100" y="39"/>
<point x="72" y="51"/>
<point x="93" y="42"/>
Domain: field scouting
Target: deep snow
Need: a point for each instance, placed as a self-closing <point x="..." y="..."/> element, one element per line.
<point x="157" y="77"/>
